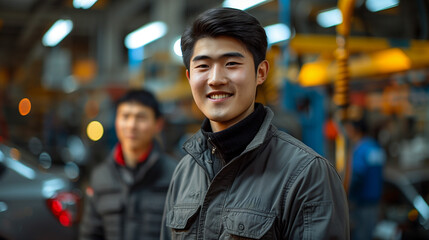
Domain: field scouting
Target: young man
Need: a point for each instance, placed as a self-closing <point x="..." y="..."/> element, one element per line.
<point x="127" y="192"/>
<point x="242" y="178"/>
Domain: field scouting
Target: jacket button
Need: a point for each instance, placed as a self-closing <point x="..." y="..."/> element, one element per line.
<point x="240" y="227"/>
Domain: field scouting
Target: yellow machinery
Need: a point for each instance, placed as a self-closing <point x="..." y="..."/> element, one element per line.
<point x="341" y="90"/>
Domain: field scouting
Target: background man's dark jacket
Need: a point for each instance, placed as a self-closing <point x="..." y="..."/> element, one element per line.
<point x="126" y="204"/>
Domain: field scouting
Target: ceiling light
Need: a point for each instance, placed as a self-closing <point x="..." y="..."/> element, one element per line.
<point x="59" y="30"/>
<point x="146" y="34"/>
<point x="277" y="33"/>
<point x="243" y="5"/>
<point x="330" y="18"/>
<point x="85" y="4"/>
<point x="379" y="5"/>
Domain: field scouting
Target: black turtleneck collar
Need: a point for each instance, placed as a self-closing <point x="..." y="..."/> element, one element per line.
<point x="233" y="140"/>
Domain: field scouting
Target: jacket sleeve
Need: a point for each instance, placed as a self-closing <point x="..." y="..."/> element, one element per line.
<point x="317" y="204"/>
<point x="91" y="227"/>
<point x="166" y="231"/>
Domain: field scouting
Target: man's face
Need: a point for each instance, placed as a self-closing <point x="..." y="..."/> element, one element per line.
<point x="223" y="80"/>
<point x="136" y="125"/>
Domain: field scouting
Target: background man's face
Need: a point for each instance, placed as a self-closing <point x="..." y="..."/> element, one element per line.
<point x="135" y="125"/>
<point x="223" y="80"/>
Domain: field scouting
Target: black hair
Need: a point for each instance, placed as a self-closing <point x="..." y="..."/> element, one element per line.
<point x="358" y="118"/>
<point x="226" y="22"/>
<point x="360" y="125"/>
<point x="143" y="97"/>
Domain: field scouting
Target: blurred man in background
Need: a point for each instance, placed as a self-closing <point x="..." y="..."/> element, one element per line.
<point x="368" y="159"/>
<point x="126" y="195"/>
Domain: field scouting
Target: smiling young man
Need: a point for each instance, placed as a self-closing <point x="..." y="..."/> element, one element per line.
<point x="242" y="178"/>
<point x="127" y="191"/>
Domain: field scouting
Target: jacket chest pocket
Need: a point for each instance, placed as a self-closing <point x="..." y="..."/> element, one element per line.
<point x="245" y="224"/>
<point x="110" y="207"/>
<point x="181" y="221"/>
<point x="109" y="204"/>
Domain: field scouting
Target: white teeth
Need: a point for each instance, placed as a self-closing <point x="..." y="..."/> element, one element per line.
<point x="219" y="96"/>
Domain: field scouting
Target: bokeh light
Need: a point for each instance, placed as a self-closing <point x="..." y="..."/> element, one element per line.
<point x="35" y="145"/>
<point x="72" y="170"/>
<point x="15" y="153"/>
<point x="45" y="160"/>
<point x="95" y="130"/>
<point x="24" y="106"/>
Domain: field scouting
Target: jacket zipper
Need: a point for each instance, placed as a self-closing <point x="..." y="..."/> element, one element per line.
<point x="213" y="146"/>
<point x="213" y="151"/>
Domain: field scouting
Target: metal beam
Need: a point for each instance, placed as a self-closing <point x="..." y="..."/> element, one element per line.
<point x="383" y="62"/>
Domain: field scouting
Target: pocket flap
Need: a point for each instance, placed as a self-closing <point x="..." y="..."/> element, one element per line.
<point x="180" y="217"/>
<point x="248" y="224"/>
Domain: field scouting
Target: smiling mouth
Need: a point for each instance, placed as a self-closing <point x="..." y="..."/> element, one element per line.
<point x="219" y="96"/>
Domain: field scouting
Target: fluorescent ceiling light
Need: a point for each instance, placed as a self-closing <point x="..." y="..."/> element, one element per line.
<point x="421" y="206"/>
<point x="146" y="34"/>
<point x="277" y="33"/>
<point x="243" y="4"/>
<point x="20" y="168"/>
<point x="59" y="30"/>
<point x="177" y="49"/>
<point x="330" y="18"/>
<point x="379" y="5"/>
<point x="85" y="4"/>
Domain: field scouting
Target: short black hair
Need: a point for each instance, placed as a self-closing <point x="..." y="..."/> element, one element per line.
<point x="360" y="125"/>
<point x="143" y="97"/>
<point x="358" y="119"/>
<point x="229" y="22"/>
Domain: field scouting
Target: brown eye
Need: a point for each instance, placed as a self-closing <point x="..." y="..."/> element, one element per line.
<point x="202" y="66"/>
<point x="232" y="63"/>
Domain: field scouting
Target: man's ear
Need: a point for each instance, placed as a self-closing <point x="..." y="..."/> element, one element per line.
<point x="187" y="74"/>
<point x="159" y="124"/>
<point x="262" y="73"/>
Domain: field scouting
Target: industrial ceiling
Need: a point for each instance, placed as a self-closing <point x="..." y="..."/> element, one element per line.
<point x="23" y="23"/>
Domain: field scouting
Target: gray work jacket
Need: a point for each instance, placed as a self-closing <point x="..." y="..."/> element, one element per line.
<point x="278" y="188"/>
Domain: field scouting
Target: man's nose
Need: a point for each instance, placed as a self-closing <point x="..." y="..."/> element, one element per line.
<point x="216" y="76"/>
<point x="132" y="122"/>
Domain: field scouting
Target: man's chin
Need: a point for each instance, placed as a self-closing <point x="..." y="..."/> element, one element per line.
<point x="218" y="116"/>
<point x="132" y="145"/>
<point x="218" y="119"/>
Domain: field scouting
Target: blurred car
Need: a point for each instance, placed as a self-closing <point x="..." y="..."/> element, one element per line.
<point x="35" y="203"/>
<point x="404" y="207"/>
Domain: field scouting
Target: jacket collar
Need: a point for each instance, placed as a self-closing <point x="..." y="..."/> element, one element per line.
<point x="233" y="140"/>
<point x="118" y="155"/>
<point x="197" y="144"/>
<point x="132" y="176"/>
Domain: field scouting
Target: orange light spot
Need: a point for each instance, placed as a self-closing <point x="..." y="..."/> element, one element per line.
<point x="413" y="215"/>
<point x="15" y="153"/>
<point x="95" y="130"/>
<point x="314" y="73"/>
<point x="24" y="106"/>
<point x="391" y="60"/>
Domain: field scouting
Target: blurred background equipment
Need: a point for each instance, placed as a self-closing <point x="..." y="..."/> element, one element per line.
<point x="56" y="97"/>
<point x="36" y="201"/>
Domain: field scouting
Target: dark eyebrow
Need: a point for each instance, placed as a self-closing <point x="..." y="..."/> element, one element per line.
<point x="225" y="55"/>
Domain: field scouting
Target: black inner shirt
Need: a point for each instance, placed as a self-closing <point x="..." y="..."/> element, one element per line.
<point x="232" y="141"/>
